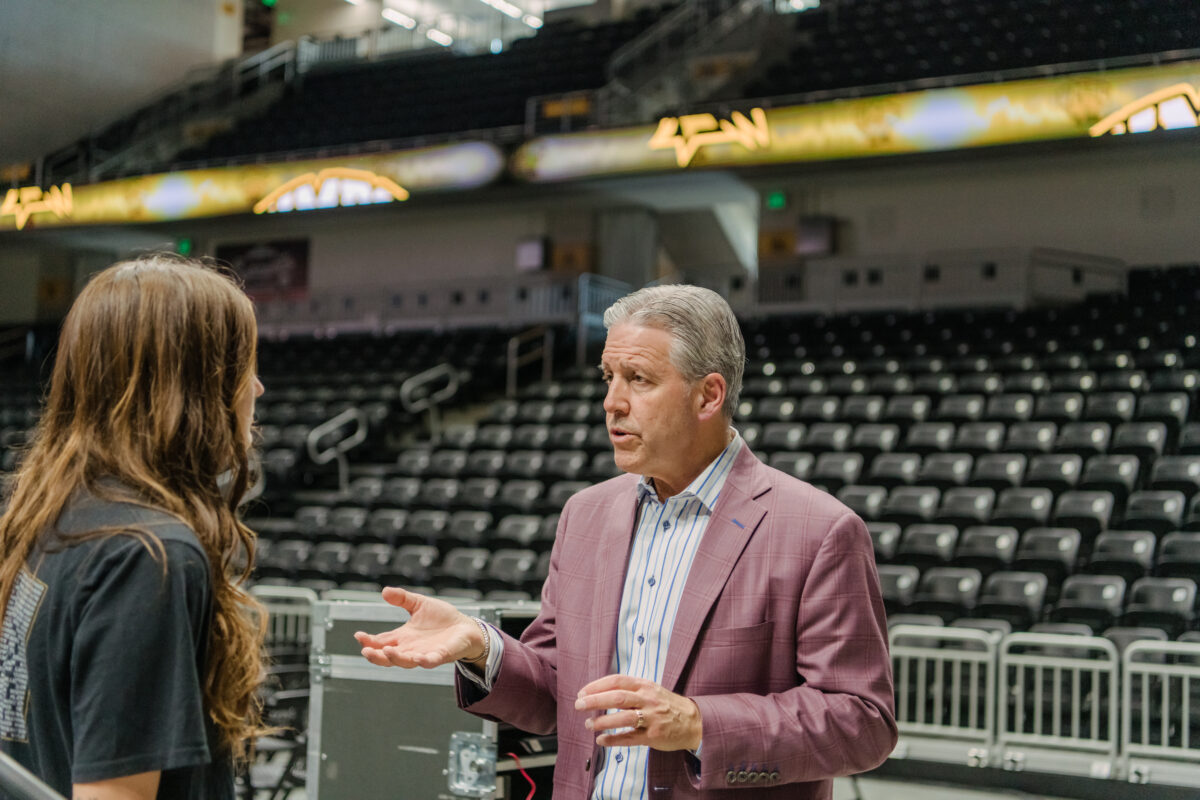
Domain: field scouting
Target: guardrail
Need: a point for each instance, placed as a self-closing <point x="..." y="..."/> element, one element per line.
<point x="414" y="401"/>
<point x="322" y="452"/>
<point x="945" y="680"/>
<point x="1160" y="712"/>
<point x="515" y="359"/>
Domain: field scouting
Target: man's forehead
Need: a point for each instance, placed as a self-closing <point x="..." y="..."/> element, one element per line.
<point x="628" y="340"/>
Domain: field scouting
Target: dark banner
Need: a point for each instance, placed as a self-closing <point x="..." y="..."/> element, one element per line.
<point x="270" y="270"/>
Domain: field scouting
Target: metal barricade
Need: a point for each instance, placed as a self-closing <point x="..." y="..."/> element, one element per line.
<point x="289" y="621"/>
<point x="1160" y="712"/>
<point x="945" y="682"/>
<point x="1058" y="706"/>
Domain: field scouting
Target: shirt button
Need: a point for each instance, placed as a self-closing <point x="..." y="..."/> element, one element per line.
<point x="618" y="758"/>
<point x="641" y="639"/>
<point x="666" y="525"/>
<point x="651" y="582"/>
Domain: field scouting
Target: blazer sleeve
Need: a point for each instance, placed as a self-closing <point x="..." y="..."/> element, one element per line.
<point x="524" y="692"/>
<point x="840" y="718"/>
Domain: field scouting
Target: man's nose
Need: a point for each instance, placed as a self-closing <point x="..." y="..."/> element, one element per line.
<point x="614" y="399"/>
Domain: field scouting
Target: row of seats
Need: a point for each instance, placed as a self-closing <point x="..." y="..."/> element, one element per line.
<point x="1149" y="439"/>
<point x="1090" y="511"/>
<point x="429" y="93"/>
<point x="1054" y="552"/>
<point x="866" y="42"/>
<point x="992" y="472"/>
<point x="502" y="573"/>
<point x="1018" y="599"/>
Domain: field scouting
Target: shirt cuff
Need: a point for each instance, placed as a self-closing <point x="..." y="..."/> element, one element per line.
<point x="491" y="668"/>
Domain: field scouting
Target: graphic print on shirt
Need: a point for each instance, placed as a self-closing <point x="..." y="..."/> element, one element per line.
<point x="22" y="610"/>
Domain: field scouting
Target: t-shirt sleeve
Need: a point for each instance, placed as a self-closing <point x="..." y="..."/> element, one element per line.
<point x="136" y="701"/>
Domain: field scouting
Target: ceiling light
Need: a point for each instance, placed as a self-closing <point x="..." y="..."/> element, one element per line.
<point x="399" y="18"/>
<point x="444" y="39"/>
<point x="531" y="21"/>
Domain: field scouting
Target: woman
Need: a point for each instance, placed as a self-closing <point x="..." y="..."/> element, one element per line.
<point x="129" y="654"/>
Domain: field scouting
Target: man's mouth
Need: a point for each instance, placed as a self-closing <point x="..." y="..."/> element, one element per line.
<point x="619" y="434"/>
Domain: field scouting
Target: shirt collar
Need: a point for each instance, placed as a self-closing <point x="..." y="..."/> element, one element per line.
<point x="706" y="487"/>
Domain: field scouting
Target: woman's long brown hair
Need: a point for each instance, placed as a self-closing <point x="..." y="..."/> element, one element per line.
<point x="155" y="359"/>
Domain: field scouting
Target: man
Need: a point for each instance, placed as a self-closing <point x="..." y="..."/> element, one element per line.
<point x="710" y="626"/>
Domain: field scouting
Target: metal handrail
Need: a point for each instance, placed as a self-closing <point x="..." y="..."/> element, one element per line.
<point x="431" y="401"/>
<point x="337" y="451"/>
<point x="515" y="359"/>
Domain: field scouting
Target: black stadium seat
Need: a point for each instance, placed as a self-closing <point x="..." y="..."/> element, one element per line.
<point x="1058" y="472"/>
<point x="987" y="548"/>
<point x="1156" y="511"/>
<point x="894" y="469"/>
<point x="1166" y="603"/>
<point x="908" y="505"/>
<point x="836" y="470"/>
<point x="1112" y="473"/>
<point x="948" y="592"/>
<point x="925" y="545"/>
<point x="1093" y="600"/>
<point x="998" y="471"/>
<point x="1023" y="508"/>
<point x="945" y="470"/>
<point x="898" y="585"/>
<point x="966" y="505"/>
<point x="885" y="538"/>
<point x="1129" y="554"/>
<point x="1015" y="597"/>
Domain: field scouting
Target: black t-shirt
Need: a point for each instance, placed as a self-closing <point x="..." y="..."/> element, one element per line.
<point x="102" y="654"/>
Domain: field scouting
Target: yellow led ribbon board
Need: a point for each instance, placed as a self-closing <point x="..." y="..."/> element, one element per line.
<point x="21" y="204"/>
<point x="1078" y="106"/>
<point x="257" y="188"/>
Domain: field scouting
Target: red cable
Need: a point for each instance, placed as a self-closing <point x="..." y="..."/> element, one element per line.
<point x="532" y="785"/>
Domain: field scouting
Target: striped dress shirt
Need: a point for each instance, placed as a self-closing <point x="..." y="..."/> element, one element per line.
<point x="665" y="542"/>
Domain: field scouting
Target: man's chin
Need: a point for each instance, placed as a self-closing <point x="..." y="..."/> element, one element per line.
<point x="626" y="463"/>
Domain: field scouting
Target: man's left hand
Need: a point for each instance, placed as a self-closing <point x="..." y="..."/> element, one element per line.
<point x="668" y="721"/>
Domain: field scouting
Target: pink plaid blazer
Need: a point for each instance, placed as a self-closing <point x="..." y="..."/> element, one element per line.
<point x="780" y="640"/>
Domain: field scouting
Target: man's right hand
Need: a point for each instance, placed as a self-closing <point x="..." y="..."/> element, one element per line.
<point x="436" y="633"/>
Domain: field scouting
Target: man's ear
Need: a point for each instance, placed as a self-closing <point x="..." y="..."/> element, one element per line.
<point x="711" y="396"/>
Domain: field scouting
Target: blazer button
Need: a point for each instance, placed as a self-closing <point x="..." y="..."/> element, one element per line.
<point x="731" y="777"/>
<point x="742" y="777"/>
<point x="775" y="775"/>
<point x="587" y="765"/>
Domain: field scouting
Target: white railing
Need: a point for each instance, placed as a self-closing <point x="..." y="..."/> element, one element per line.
<point x="945" y="680"/>
<point x="1160" y="712"/>
<point x="1060" y="695"/>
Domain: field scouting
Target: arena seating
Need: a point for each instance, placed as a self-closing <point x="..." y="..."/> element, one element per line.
<point x="425" y="93"/>
<point x="850" y="45"/>
<point x="858" y="43"/>
<point x="959" y="488"/>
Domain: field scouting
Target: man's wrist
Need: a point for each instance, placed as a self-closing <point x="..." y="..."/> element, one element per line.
<point x="481" y="659"/>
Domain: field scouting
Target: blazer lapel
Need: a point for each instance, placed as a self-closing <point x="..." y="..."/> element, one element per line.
<point x="612" y="558"/>
<point x="736" y="517"/>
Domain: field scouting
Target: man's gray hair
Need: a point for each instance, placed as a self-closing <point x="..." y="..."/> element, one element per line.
<point x="705" y="334"/>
